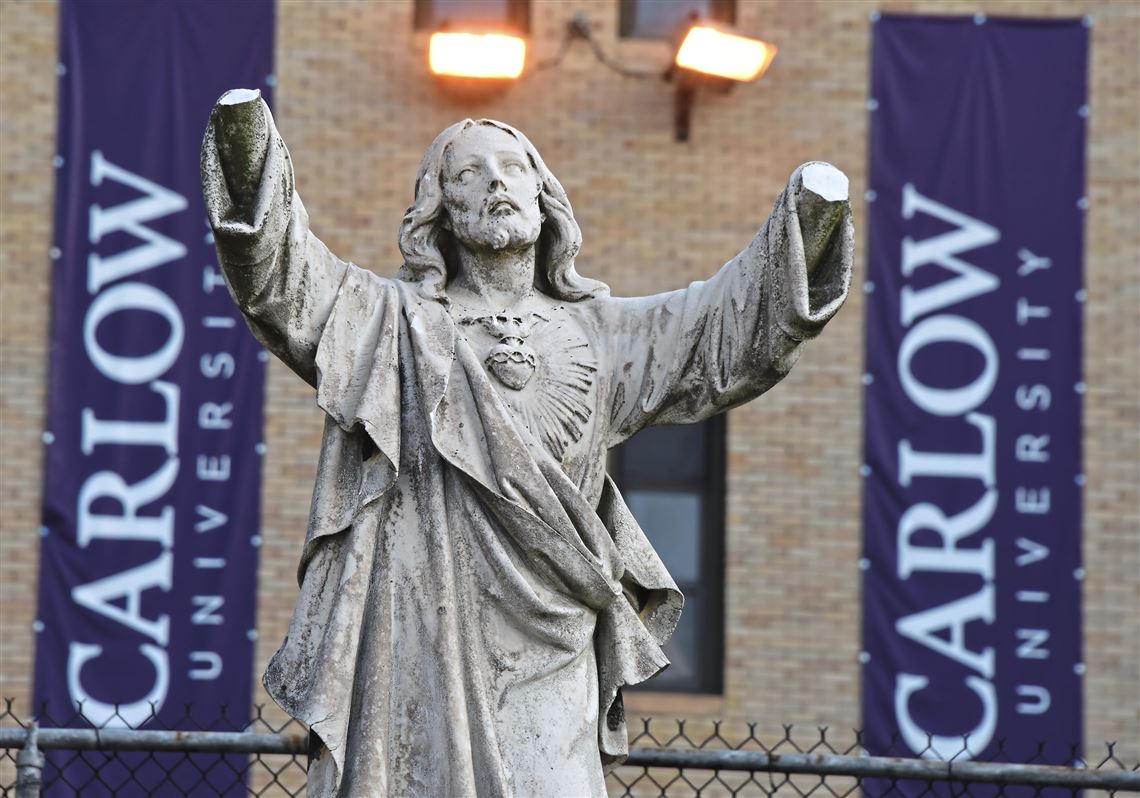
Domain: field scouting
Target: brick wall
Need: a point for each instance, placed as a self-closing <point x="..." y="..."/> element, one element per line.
<point x="27" y="136"/>
<point x="357" y="109"/>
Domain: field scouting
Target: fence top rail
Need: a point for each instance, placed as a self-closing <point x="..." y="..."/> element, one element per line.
<point x="821" y="764"/>
<point x="292" y="744"/>
<point x="894" y="768"/>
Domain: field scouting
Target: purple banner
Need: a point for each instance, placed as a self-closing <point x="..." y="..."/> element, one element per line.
<point x="972" y="500"/>
<point x="153" y="444"/>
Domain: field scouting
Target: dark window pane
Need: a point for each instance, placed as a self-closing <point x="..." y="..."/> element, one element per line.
<point x="672" y="479"/>
<point x="470" y="10"/>
<point x="666" y="454"/>
<point x="456" y="13"/>
<point x="672" y="522"/>
<point x="662" y="19"/>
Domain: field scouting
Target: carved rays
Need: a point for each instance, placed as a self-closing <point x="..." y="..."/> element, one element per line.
<point x="555" y="405"/>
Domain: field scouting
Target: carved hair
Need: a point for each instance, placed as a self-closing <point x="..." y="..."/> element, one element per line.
<point x="429" y="250"/>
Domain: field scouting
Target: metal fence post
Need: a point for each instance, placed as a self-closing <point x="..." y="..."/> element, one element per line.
<point x="29" y="766"/>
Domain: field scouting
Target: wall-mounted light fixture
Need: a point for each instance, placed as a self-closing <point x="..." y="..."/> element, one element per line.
<point x="714" y="58"/>
<point x="706" y="55"/>
<point x="476" y="55"/>
<point x="725" y="55"/>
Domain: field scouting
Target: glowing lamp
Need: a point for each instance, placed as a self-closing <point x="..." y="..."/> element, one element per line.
<point x="476" y="55"/>
<point x="725" y="55"/>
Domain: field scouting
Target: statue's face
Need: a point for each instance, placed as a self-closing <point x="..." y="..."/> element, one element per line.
<point x="490" y="190"/>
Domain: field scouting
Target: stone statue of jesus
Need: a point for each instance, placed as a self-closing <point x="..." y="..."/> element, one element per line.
<point x="474" y="594"/>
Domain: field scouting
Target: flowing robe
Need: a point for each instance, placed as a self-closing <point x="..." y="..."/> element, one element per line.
<point x="474" y="593"/>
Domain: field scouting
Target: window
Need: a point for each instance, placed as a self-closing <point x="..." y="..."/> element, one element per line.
<point x="654" y="19"/>
<point x="431" y="14"/>
<point x="672" y="479"/>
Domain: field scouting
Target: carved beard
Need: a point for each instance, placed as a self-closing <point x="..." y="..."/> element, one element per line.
<point x="509" y="231"/>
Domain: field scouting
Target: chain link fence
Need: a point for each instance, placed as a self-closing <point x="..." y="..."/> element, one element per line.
<point x="191" y="756"/>
<point x="681" y="758"/>
<point x="178" y="754"/>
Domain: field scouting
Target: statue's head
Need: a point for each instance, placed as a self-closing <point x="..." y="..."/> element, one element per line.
<point x="483" y="185"/>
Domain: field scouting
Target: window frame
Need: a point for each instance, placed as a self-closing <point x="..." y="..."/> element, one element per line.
<point x="517" y="19"/>
<point x="710" y="638"/>
<point x="723" y="11"/>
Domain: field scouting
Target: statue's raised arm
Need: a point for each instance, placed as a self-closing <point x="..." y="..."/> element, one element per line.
<point x="283" y="278"/>
<point x="689" y="354"/>
<point x="241" y="128"/>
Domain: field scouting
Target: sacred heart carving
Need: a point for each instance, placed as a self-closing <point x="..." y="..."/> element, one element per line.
<point x="512" y="362"/>
<point x="546" y="363"/>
